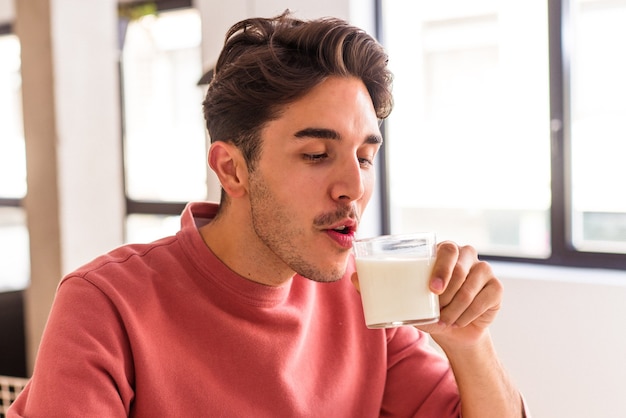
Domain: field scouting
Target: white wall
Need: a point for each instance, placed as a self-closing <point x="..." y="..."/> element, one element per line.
<point x="562" y="337"/>
<point x="7" y="11"/>
<point x="88" y="127"/>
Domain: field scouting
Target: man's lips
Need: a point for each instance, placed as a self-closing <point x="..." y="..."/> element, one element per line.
<point x="343" y="233"/>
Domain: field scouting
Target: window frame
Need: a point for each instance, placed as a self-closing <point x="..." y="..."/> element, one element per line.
<point x="13" y="202"/>
<point x="7" y="29"/>
<point x="563" y="252"/>
<point x="148" y="207"/>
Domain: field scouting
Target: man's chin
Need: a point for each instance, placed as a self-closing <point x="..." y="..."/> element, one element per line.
<point x="330" y="275"/>
<point x="324" y="269"/>
<point x="325" y="279"/>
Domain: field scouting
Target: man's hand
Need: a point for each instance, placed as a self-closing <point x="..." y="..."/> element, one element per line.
<point x="469" y="295"/>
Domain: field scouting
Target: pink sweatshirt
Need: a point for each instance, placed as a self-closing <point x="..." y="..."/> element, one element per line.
<point x="166" y="329"/>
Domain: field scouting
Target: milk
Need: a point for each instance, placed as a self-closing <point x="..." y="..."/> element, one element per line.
<point x="395" y="291"/>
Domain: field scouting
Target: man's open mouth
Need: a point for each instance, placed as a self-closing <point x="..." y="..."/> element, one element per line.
<point x="343" y="229"/>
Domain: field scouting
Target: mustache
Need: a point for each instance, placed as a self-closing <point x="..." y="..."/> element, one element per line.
<point x="339" y="214"/>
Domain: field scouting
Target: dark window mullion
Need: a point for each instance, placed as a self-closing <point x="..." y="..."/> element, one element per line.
<point x="6" y="29"/>
<point x="383" y="180"/>
<point x="153" y="208"/>
<point x="559" y="88"/>
<point x="11" y="202"/>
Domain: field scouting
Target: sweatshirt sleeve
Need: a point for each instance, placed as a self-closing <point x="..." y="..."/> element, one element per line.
<point x="420" y="382"/>
<point x="84" y="364"/>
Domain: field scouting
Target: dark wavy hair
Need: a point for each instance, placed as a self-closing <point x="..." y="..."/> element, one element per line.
<point x="268" y="63"/>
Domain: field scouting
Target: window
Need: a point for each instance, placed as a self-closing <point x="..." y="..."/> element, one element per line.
<point x="597" y="130"/>
<point x="14" y="265"/>
<point x="493" y="142"/>
<point x="164" y="139"/>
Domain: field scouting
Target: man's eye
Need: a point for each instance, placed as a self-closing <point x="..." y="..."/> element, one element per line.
<point x="366" y="162"/>
<point x="315" y="157"/>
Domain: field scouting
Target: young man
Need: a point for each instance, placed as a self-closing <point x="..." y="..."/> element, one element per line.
<point x="250" y="310"/>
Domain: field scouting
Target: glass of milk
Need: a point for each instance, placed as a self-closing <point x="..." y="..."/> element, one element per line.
<point x="394" y="271"/>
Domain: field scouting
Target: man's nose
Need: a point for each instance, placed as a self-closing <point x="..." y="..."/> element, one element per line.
<point x="348" y="181"/>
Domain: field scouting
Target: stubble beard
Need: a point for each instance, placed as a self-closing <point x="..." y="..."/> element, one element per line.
<point x="273" y="226"/>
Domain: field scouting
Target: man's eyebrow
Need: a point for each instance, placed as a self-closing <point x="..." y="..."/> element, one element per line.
<point x="374" y="139"/>
<point x="323" y="133"/>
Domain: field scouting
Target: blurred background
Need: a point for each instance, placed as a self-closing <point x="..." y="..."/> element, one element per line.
<point x="506" y="135"/>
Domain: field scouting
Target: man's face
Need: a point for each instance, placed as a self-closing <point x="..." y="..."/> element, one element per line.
<point x="314" y="178"/>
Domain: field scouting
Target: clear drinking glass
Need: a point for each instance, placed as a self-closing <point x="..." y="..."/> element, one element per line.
<point x="394" y="272"/>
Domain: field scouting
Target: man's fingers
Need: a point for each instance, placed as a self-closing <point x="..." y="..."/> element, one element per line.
<point x="447" y="254"/>
<point x="481" y="292"/>
<point x="452" y="266"/>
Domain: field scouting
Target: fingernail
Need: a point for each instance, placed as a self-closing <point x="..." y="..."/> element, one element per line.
<point x="437" y="285"/>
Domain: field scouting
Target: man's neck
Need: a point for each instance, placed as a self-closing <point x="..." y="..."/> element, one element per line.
<point x="233" y="240"/>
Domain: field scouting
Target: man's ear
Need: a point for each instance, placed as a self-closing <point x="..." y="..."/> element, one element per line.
<point x="228" y="163"/>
